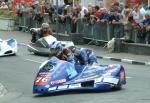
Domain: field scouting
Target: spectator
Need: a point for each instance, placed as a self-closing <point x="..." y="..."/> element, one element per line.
<point x="97" y="12"/>
<point x="116" y="6"/>
<point x="101" y="5"/>
<point x="69" y="11"/>
<point x="82" y="10"/>
<point x="3" y="6"/>
<point x="74" y="20"/>
<point x="121" y="6"/>
<point x="116" y="19"/>
<point x="26" y="8"/>
<point x="50" y="10"/>
<point x="19" y="8"/>
<point x="137" y="15"/>
<point x="127" y="24"/>
<point x="104" y="15"/>
<point x="0" y="2"/>
<point x="37" y="13"/>
<point x="146" y="24"/>
<point x="62" y="16"/>
<point x="90" y="16"/>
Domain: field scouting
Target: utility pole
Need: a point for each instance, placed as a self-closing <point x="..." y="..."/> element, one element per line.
<point x="73" y="3"/>
<point x="57" y="17"/>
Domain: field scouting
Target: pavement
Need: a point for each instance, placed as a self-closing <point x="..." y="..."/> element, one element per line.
<point x="102" y="53"/>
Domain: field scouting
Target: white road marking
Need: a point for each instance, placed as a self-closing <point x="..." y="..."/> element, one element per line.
<point x="129" y="77"/>
<point x="33" y="61"/>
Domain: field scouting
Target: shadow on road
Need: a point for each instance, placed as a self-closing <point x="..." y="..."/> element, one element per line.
<point x="11" y="55"/>
<point x="75" y="92"/>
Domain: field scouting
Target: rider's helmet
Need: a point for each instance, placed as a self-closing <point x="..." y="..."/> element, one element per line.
<point x="56" y="48"/>
<point x="147" y="14"/>
<point x="45" y="28"/>
<point x="72" y="48"/>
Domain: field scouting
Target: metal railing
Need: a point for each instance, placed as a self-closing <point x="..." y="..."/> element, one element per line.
<point x="95" y="31"/>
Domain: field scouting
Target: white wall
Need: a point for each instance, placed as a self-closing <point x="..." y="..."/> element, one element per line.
<point x="7" y="24"/>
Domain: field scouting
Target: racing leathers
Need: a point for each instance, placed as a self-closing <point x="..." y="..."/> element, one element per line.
<point x="65" y="54"/>
<point x="38" y="33"/>
<point x="85" y="56"/>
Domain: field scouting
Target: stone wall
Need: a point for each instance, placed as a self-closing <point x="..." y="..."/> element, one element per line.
<point x="6" y="24"/>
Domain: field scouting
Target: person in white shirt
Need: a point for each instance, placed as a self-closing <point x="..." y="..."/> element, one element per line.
<point x="3" y="6"/>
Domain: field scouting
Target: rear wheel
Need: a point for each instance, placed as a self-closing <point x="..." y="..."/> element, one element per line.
<point x="117" y="87"/>
<point x="121" y="80"/>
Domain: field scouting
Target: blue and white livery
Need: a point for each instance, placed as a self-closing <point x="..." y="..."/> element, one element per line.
<point x="56" y="75"/>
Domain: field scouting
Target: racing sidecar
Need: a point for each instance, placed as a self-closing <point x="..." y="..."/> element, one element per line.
<point x="41" y="47"/>
<point x="55" y="75"/>
<point x="8" y="47"/>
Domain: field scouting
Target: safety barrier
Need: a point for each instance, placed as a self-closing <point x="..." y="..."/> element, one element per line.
<point x="94" y="31"/>
<point x="99" y="31"/>
<point x="26" y="21"/>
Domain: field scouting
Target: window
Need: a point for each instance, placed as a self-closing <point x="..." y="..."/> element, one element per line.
<point x="47" y="67"/>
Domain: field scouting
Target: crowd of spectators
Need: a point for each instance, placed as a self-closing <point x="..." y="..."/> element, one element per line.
<point x="118" y="14"/>
<point x="3" y="6"/>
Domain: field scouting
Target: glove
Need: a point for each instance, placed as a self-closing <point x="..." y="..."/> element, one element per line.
<point x="33" y="31"/>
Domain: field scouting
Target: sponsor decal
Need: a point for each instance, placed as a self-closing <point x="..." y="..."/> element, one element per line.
<point x="86" y="75"/>
<point x="71" y="72"/>
<point x="52" y="88"/>
<point x="98" y="80"/>
<point x="94" y="67"/>
<point x="85" y="79"/>
<point x="42" y="73"/>
<point x="112" y="66"/>
<point x="72" y="86"/>
<point x="58" y="81"/>
<point x="111" y="80"/>
<point x="42" y="80"/>
<point x="47" y="86"/>
<point x="63" y="87"/>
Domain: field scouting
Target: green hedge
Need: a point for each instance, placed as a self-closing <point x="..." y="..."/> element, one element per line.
<point x="8" y="14"/>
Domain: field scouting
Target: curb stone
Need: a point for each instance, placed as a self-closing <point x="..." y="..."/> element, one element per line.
<point x="148" y="63"/>
<point x="125" y="60"/>
<point x="3" y="90"/>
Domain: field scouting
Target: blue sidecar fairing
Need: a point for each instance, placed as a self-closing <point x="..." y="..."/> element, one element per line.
<point x="56" y="75"/>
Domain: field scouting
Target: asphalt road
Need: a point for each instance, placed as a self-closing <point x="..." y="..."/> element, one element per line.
<point x="17" y="75"/>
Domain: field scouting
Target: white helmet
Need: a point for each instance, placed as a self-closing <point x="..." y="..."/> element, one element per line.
<point x="56" y="45"/>
<point x="45" y="27"/>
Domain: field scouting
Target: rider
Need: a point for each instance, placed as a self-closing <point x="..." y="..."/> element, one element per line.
<point x="61" y="53"/>
<point x="84" y="56"/>
<point x="41" y="32"/>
